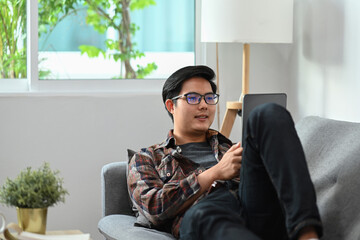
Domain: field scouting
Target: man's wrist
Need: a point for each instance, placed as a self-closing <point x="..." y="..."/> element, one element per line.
<point x="207" y="178"/>
<point x="213" y="173"/>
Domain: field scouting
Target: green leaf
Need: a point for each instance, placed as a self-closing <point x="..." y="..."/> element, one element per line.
<point x="144" y="71"/>
<point x="141" y="4"/>
<point x="91" y="51"/>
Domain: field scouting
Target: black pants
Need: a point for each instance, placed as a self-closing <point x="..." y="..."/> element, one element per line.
<point x="277" y="197"/>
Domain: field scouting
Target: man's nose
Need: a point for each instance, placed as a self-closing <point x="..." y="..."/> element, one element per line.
<point x="203" y="103"/>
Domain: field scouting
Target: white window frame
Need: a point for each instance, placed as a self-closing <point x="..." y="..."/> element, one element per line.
<point x="33" y="84"/>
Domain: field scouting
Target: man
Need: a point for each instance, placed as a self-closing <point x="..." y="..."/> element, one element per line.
<point x="191" y="180"/>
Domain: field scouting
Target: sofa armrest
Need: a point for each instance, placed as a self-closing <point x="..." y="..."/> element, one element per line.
<point x="114" y="192"/>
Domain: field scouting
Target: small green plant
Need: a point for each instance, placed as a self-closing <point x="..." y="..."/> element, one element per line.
<point x="39" y="188"/>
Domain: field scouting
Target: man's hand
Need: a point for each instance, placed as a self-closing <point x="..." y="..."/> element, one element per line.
<point x="229" y="166"/>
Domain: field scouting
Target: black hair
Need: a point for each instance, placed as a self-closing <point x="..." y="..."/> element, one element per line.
<point x="172" y="86"/>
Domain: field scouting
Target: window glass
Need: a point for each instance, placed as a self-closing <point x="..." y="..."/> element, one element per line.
<point x="91" y="40"/>
<point x="12" y="39"/>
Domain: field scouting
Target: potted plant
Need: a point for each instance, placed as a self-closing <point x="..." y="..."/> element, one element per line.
<point x="32" y="192"/>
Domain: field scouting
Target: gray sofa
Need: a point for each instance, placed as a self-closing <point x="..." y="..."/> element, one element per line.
<point x="118" y="218"/>
<point x="332" y="149"/>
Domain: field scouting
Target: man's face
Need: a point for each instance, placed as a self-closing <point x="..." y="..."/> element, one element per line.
<point x="193" y="119"/>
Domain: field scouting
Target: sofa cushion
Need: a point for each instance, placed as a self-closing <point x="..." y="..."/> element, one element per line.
<point x="115" y="227"/>
<point x="332" y="150"/>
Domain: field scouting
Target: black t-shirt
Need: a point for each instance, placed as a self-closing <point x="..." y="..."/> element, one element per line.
<point x="199" y="152"/>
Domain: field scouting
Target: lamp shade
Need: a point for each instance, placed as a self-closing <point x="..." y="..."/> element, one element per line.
<point x="247" y="21"/>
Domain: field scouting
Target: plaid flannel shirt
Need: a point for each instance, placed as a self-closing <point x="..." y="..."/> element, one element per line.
<point x="160" y="179"/>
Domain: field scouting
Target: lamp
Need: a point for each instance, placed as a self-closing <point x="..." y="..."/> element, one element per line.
<point x="245" y="21"/>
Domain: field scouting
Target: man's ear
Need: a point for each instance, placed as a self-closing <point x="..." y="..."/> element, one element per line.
<point x="170" y="106"/>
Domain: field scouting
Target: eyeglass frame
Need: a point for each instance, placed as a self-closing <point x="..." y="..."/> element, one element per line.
<point x="201" y="97"/>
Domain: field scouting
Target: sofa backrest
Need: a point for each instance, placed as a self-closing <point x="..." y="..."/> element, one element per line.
<point x="115" y="196"/>
<point x="332" y="150"/>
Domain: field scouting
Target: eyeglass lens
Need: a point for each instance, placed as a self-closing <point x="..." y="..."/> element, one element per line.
<point x="195" y="98"/>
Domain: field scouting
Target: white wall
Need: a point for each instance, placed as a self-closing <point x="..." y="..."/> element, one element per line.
<point x="325" y="73"/>
<point x="78" y="134"/>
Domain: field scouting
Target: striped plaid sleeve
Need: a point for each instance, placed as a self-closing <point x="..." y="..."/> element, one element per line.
<point x="158" y="201"/>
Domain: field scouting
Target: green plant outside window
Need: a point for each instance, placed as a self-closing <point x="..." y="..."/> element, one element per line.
<point x="101" y="16"/>
<point x="12" y="41"/>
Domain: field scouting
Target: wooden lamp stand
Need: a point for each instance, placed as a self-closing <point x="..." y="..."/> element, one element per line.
<point x="232" y="108"/>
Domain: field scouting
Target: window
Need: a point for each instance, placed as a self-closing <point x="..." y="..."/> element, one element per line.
<point x="13" y="40"/>
<point x="163" y="34"/>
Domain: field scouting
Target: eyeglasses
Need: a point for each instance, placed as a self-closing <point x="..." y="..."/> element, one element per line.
<point x="195" y="98"/>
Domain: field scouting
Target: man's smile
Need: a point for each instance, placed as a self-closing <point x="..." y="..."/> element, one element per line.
<point x="202" y="117"/>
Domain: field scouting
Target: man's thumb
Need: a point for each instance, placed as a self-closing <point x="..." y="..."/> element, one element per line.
<point x="235" y="146"/>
